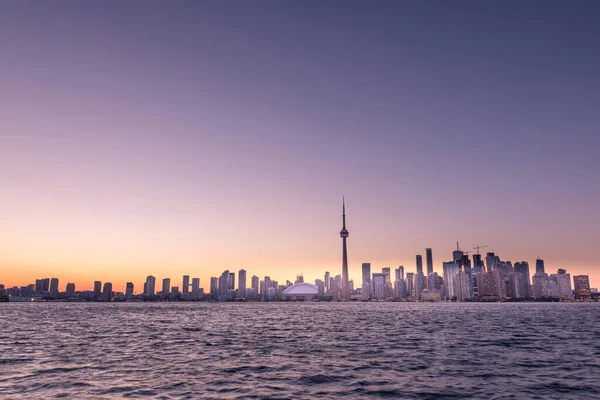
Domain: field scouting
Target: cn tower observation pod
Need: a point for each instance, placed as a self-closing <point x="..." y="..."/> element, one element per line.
<point x="301" y="289"/>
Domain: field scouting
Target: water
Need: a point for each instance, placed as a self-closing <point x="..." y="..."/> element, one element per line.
<point x="301" y="351"/>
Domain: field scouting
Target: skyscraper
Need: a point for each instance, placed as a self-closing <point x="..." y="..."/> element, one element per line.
<point x="523" y="269"/>
<point x="150" y="286"/>
<point x="166" y="287"/>
<point x="185" y="287"/>
<point x="539" y="266"/>
<point x="344" y="235"/>
<point x="54" y="287"/>
<point x="97" y="289"/>
<point x="429" y="255"/>
<point x="366" y="281"/>
<point x="107" y="292"/>
<point x="255" y="284"/>
<point x="129" y="290"/>
<point x="70" y="289"/>
<point x="378" y="286"/>
<point x="327" y="275"/>
<point x="582" y="286"/>
<point x="242" y="283"/>
<point x="419" y="264"/>
<point x="195" y="286"/>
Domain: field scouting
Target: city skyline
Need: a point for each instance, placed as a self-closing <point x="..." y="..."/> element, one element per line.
<point x="195" y="137"/>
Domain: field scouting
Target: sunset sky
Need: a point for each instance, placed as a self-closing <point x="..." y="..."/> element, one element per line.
<point x="189" y="137"/>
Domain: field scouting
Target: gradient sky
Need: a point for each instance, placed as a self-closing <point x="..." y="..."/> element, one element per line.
<point x="176" y="137"/>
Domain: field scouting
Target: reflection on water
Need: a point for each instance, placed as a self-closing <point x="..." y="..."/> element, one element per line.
<point x="295" y="350"/>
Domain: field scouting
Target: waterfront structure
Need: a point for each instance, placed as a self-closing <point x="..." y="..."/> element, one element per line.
<point x="344" y="235"/>
<point x="429" y="257"/>
<point x="366" y="281"/>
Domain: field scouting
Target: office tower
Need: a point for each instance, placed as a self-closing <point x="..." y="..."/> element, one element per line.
<point x="410" y="282"/>
<point x="129" y="290"/>
<point x="185" y="286"/>
<point x="321" y="286"/>
<point x="195" y="286"/>
<point x="419" y="264"/>
<point x="242" y="283"/>
<point x="366" y="281"/>
<point x="523" y="269"/>
<point x="433" y="281"/>
<point x="327" y="288"/>
<point x="267" y="284"/>
<point x="97" y="289"/>
<point x="150" y="286"/>
<point x="70" y="289"/>
<point x="54" y="287"/>
<point x="42" y="285"/>
<point x="223" y="283"/>
<point x="344" y="235"/>
<point x="231" y="281"/>
<point x="418" y="285"/>
<point x="539" y="266"/>
<point x="299" y="279"/>
<point x="255" y="280"/>
<point x="451" y="270"/>
<point x="107" y="292"/>
<point x="457" y="255"/>
<point x="563" y="281"/>
<point x="490" y="261"/>
<point x="461" y="286"/>
<point x="166" y="287"/>
<point x="477" y="264"/>
<point x="401" y="272"/>
<point x="429" y="256"/>
<point x="214" y="286"/>
<point x="175" y="291"/>
<point x="581" y="284"/>
<point x="388" y="290"/>
<point x="378" y="286"/>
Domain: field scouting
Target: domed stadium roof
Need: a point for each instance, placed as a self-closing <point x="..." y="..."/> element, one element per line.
<point x="301" y="289"/>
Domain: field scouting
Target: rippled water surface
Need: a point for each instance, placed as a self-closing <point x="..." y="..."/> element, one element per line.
<point x="300" y="350"/>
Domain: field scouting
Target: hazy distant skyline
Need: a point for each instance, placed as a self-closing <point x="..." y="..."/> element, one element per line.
<point x="173" y="138"/>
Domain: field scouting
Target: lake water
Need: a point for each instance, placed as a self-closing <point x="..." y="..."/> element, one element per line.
<point x="300" y="350"/>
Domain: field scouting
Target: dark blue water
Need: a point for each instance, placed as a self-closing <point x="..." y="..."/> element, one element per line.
<point x="301" y="351"/>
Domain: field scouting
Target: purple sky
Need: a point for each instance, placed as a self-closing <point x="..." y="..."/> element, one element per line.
<point x="171" y="137"/>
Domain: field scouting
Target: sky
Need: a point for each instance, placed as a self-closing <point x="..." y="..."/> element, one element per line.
<point x="190" y="137"/>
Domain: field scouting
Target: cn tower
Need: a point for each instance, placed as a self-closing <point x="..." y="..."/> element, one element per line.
<point x="344" y="235"/>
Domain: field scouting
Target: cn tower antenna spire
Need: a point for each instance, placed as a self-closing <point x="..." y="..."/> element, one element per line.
<point x="344" y="212"/>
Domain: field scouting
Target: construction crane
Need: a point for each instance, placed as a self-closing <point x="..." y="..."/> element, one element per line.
<point x="479" y="247"/>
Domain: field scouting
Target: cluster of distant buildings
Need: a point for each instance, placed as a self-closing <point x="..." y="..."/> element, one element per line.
<point x="463" y="279"/>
